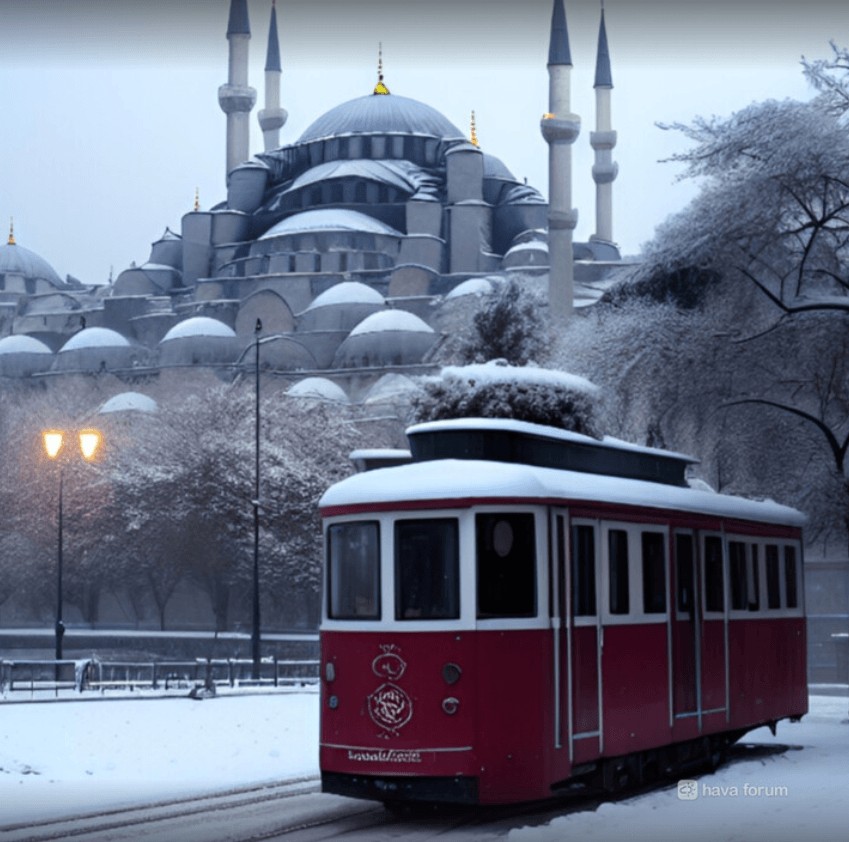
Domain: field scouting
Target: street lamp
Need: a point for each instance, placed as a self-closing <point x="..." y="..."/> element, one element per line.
<point x="89" y="441"/>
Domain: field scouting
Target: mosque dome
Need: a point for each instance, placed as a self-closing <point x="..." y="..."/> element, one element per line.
<point x="347" y="292"/>
<point x="198" y="326"/>
<point x="22" y="344"/>
<point x="95" y="337"/>
<point x="129" y="401"/>
<point x="386" y="338"/>
<point x="319" y="388"/>
<point x="17" y="260"/>
<point x="382" y="115"/>
<point x="330" y="219"/>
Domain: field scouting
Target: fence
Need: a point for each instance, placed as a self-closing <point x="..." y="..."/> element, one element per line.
<point x="96" y="675"/>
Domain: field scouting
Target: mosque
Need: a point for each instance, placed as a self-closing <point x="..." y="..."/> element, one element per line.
<point x="340" y="249"/>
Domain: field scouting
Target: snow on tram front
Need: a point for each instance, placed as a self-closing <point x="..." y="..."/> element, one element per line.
<point x="467" y="594"/>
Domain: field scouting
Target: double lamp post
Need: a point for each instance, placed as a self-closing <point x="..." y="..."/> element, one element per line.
<point x="54" y="440"/>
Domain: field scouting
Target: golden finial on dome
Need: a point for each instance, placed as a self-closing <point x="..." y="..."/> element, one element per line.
<point x="474" y="131"/>
<point x="197" y="199"/>
<point x="380" y="88"/>
<point x="11" y="231"/>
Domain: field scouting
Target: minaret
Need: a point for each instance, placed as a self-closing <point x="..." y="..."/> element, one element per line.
<point x="236" y="98"/>
<point x="272" y="117"/>
<point x="560" y="128"/>
<point x="602" y="140"/>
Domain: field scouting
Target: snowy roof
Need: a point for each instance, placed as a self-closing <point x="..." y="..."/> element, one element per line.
<point x="22" y="344"/>
<point x="198" y="326"/>
<point x="318" y="387"/>
<point x="474" y="286"/>
<point x="347" y="292"/>
<point x="496" y="371"/>
<point x="95" y="337"/>
<point x="463" y="479"/>
<point x="129" y="401"/>
<point x="330" y="219"/>
<point x="386" y="320"/>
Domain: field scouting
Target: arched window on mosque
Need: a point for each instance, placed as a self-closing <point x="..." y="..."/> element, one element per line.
<point x="360" y="192"/>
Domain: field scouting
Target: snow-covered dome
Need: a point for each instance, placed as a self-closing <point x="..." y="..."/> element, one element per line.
<point x="329" y="219"/>
<point x="318" y="387"/>
<point x="199" y="326"/>
<point x="386" y="338"/>
<point x="22" y="344"/>
<point x="392" y="320"/>
<point x="347" y="292"/>
<point x="474" y="286"/>
<point x="390" y="387"/>
<point x="129" y="401"/>
<point x="381" y="115"/>
<point x="95" y="337"/>
<point x="17" y="260"/>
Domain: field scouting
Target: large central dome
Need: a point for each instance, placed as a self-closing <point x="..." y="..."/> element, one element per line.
<point x="374" y="114"/>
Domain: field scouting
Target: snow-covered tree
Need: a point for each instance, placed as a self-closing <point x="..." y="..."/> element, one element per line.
<point x="499" y="390"/>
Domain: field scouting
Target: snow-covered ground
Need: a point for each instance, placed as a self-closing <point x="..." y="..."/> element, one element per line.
<point x="61" y="758"/>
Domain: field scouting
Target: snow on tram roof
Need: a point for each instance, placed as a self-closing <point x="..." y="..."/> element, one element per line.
<point x="469" y="479"/>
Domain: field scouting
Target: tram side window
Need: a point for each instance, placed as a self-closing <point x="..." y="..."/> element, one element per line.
<point x="353" y="567"/>
<point x="753" y="584"/>
<point x="737" y="560"/>
<point x="506" y="562"/>
<point x="427" y="570"/>
<point x="654" y="573"/>
<point x="617" y="551"/>
<point x="790" y="580"/>
<point x="583" y="571"/>
<point x="773" y="586"/>
<point x="684" y="572"/>
<point x="714" y="580"/>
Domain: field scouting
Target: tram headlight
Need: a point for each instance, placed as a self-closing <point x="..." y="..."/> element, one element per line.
<point x="451" y="673"/>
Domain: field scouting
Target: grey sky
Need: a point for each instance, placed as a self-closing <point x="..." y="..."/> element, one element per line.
<point x="111" y="120"/>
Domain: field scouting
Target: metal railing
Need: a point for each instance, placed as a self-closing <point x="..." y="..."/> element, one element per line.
<point x="95" y="675"/>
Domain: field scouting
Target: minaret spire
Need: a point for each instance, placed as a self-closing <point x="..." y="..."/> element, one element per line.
<point x="272" y="118"/>
<point x="237" y="98"/>
<point x="11" y="241"/>
<point x="473" y="131"/>
<point x="380" y="87"/>
<point x="603" y="139"/>
<point x="560" y="129"/>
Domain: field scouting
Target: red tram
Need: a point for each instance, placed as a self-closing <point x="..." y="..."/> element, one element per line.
<point x="520" y="607"/>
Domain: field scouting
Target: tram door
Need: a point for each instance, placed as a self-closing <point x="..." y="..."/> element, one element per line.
<point x="686" y="638"/>
<point x="580" y="676"/>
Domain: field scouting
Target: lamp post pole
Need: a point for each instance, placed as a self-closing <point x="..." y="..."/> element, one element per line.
<point x="255" y="623"/>
<point x="89" y="441"/>
<point x="60" y="625"/>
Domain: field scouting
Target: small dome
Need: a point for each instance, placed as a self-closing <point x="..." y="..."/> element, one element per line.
<point x="474" y="286"/>
<point x="17" y="260"/>
<point x="391" y="320"/>
<point x="198" y="326"/>
<point x="391" y="387"/>
<point x="330" y="219"/>
<point x="134" y="401"/>
<point x="381" y="115"/>
<point x="347" y="292"/>
<point x="95" y="337"/>
<point x="23" y="344"/>
<point x="318" y="387"/>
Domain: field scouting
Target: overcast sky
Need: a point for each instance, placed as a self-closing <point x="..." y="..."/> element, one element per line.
<point x="110" y="117"/>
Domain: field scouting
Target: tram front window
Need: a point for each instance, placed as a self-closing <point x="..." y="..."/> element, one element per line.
<point x="427" y="570"/>
<point x="353" y="566"/>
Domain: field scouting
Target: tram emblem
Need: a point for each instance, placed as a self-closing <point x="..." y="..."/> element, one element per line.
<point x="389" y="706"/>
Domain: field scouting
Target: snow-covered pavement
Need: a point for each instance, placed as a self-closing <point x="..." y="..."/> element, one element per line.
<point x="64" y="758"/>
